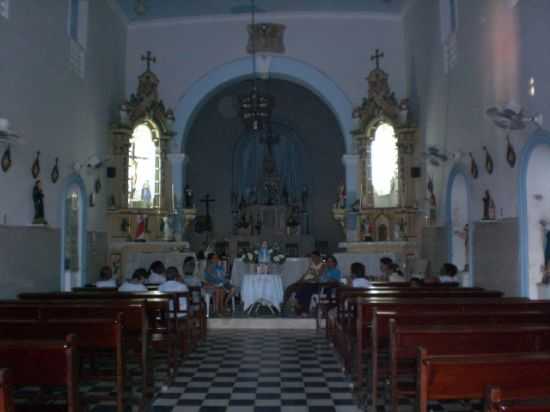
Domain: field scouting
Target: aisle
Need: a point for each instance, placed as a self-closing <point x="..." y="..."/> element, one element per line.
<point x="260" y="371"/>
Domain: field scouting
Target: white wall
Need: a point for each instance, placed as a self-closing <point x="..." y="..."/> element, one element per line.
<point x="57" y="112"/>
<point x="338" y="45"/>
<point x="60" y="115"/>
<point x="499" y="48"/>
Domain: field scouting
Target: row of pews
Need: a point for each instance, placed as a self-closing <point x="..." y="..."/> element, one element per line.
<point x="440" y="343"/>
<point x="67" y="338"/>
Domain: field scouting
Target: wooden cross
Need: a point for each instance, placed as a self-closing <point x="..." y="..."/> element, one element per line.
<point x="149" y="58"/>
<point x="377" y="56"/>
<point x="207" y="200"/>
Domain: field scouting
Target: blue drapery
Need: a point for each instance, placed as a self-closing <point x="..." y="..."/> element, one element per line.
<point x="248" y="162"/>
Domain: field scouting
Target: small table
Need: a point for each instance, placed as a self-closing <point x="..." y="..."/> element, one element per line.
<point x="264" y="289"/>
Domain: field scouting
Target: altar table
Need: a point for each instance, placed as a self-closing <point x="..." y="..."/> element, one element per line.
<point x="262" y="288"/>
<point x="290" y="271"/>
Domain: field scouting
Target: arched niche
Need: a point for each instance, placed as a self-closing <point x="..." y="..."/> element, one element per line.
<point x="534" y="212"/>
<point x="73" y="265"/>
<point x="459" y="220"/>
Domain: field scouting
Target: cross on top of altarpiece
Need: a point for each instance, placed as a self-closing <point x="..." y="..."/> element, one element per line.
<point x="377" y="56"/>
<point x="149" y="58"/>
<point x="207" y="200"/>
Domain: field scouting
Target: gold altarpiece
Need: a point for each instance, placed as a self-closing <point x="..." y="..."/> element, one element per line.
<point x="391" y="227"/>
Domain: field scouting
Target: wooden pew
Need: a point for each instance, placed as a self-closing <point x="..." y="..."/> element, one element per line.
<point x="134" y="311"/>
<point x="380" y="332"/>
<point x="93" y="335"/>
<point x="498" y="401"/>
<point x="6" y="391"/>
<point x="465" y="377"/>
<point x="354" y="326"/>
<point x="44" y="363"/>
<point x="459" y="340"/>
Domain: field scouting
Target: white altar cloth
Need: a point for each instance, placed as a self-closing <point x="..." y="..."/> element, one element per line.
<point x="290" y="271"/>
<point x="266" y="288"/>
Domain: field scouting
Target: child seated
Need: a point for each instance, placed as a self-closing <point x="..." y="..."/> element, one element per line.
<point x="358" y="276"/>
<point x="448" y="273"/>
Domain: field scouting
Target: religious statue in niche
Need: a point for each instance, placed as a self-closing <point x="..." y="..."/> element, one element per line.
<point x="464" y="234"/>
<point x="366" y="228"/>
<point x="139" y="235"/>
<point x="489" y="210"/>
<point x="146" y="194"/>
<point x="188" y="197"/>
<point x="293" y="223"/>
<point x="266" y="38"/>
<point x="38" y="200"/>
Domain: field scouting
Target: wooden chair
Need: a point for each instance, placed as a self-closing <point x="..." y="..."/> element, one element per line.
<point x="6" y="391"/>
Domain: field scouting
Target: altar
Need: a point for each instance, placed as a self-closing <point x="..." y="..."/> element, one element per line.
<point x="290" y="271"/>
<point x="263" y="289"/>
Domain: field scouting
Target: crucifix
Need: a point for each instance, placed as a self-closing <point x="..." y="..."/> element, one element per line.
<point x="376" y="57"/>
<point x="270" y="140"/>
<point x="149" y="58"/>
<point x="207" y="200"/>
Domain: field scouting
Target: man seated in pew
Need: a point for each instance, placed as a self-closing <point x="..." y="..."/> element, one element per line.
<point x="135" y="284"/>
<point x="190" y="277"/>
<point x="358" y="276"/>
<point x="448" y="273"/>
<point x="106" y="279"/>
<point x="156" y="273"/>
<point x="396" y="275"/>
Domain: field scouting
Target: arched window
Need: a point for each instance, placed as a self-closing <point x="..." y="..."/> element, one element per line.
<point x="384" y="167"/>
<point x="144" y="168"/>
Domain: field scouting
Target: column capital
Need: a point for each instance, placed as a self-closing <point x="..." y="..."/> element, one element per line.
<point x="350" y="160"/>
<point x="176" y="158"/>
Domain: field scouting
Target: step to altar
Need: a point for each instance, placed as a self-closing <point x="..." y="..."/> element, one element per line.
<point x="262" y="323"/>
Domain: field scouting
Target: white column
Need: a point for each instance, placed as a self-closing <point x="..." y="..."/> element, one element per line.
<point x="178" y="162"/>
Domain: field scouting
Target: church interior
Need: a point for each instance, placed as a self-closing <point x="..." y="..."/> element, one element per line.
<point x="274" y="206"/>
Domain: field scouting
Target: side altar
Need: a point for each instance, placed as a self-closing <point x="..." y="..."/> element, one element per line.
<point x="384" y="217"/>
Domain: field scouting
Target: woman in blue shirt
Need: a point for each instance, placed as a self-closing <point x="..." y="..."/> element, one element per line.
<point x="332" y="273"/>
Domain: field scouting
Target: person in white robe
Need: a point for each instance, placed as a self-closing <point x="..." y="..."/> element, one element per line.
<point x="173" y="284"/>
<point x="448" y="273"/>
<point x="358" y="276"/>
<point x="135" y="284"/>
<point x="156" y="273"/>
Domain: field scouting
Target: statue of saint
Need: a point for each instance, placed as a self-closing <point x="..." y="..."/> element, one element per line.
<point x="146" y="194"/>
<point x="188" y="195"/>
<point x="38" y="200"/>
<point x="489" y="211"/>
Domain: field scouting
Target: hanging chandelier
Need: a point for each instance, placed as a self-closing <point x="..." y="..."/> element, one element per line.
<point x="255" y="107"/>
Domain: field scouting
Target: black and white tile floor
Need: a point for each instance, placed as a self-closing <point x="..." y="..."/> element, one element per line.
<point x="259" y="371"/>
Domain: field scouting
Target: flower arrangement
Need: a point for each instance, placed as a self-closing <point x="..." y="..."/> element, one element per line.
<point x="278" y="258"/>
<point x="250" y="256"/>
<point x="271" y="255"/>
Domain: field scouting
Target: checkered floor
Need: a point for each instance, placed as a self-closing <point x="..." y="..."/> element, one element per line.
<point x="260" y="371"/>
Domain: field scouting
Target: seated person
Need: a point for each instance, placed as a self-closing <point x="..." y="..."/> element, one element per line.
<point x="396" y="274"/>
<point x="190" y="277"/>
<point x="386" y="267"/>
<point x="312" y="275"/>
<point x="214" y="275"/>
<point x="173" y="284"/>
<point x="448" y="273"/>
<point x="331" y="273"/>
<point x="358" y="278"/>
<point x="106" y="279"/>
<point x="156" y="273"/>
<point x="136" y="283"/>
<point x="308" y="284"/>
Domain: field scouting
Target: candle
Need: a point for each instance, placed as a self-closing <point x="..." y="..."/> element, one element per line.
<point x="173" y="200"/>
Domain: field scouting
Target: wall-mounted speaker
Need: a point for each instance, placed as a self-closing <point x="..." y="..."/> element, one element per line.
<point x="416" y="172"/>
<point x="111" y="172"/>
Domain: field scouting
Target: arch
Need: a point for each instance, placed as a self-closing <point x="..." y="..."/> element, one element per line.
<point x="540" y="138"/>
<point x="460" y="171"/>
<point x="280" y="67"/>
<point x="74" y="180"/>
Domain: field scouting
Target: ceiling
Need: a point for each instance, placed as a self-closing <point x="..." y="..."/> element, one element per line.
<point x="156" y="9"/>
